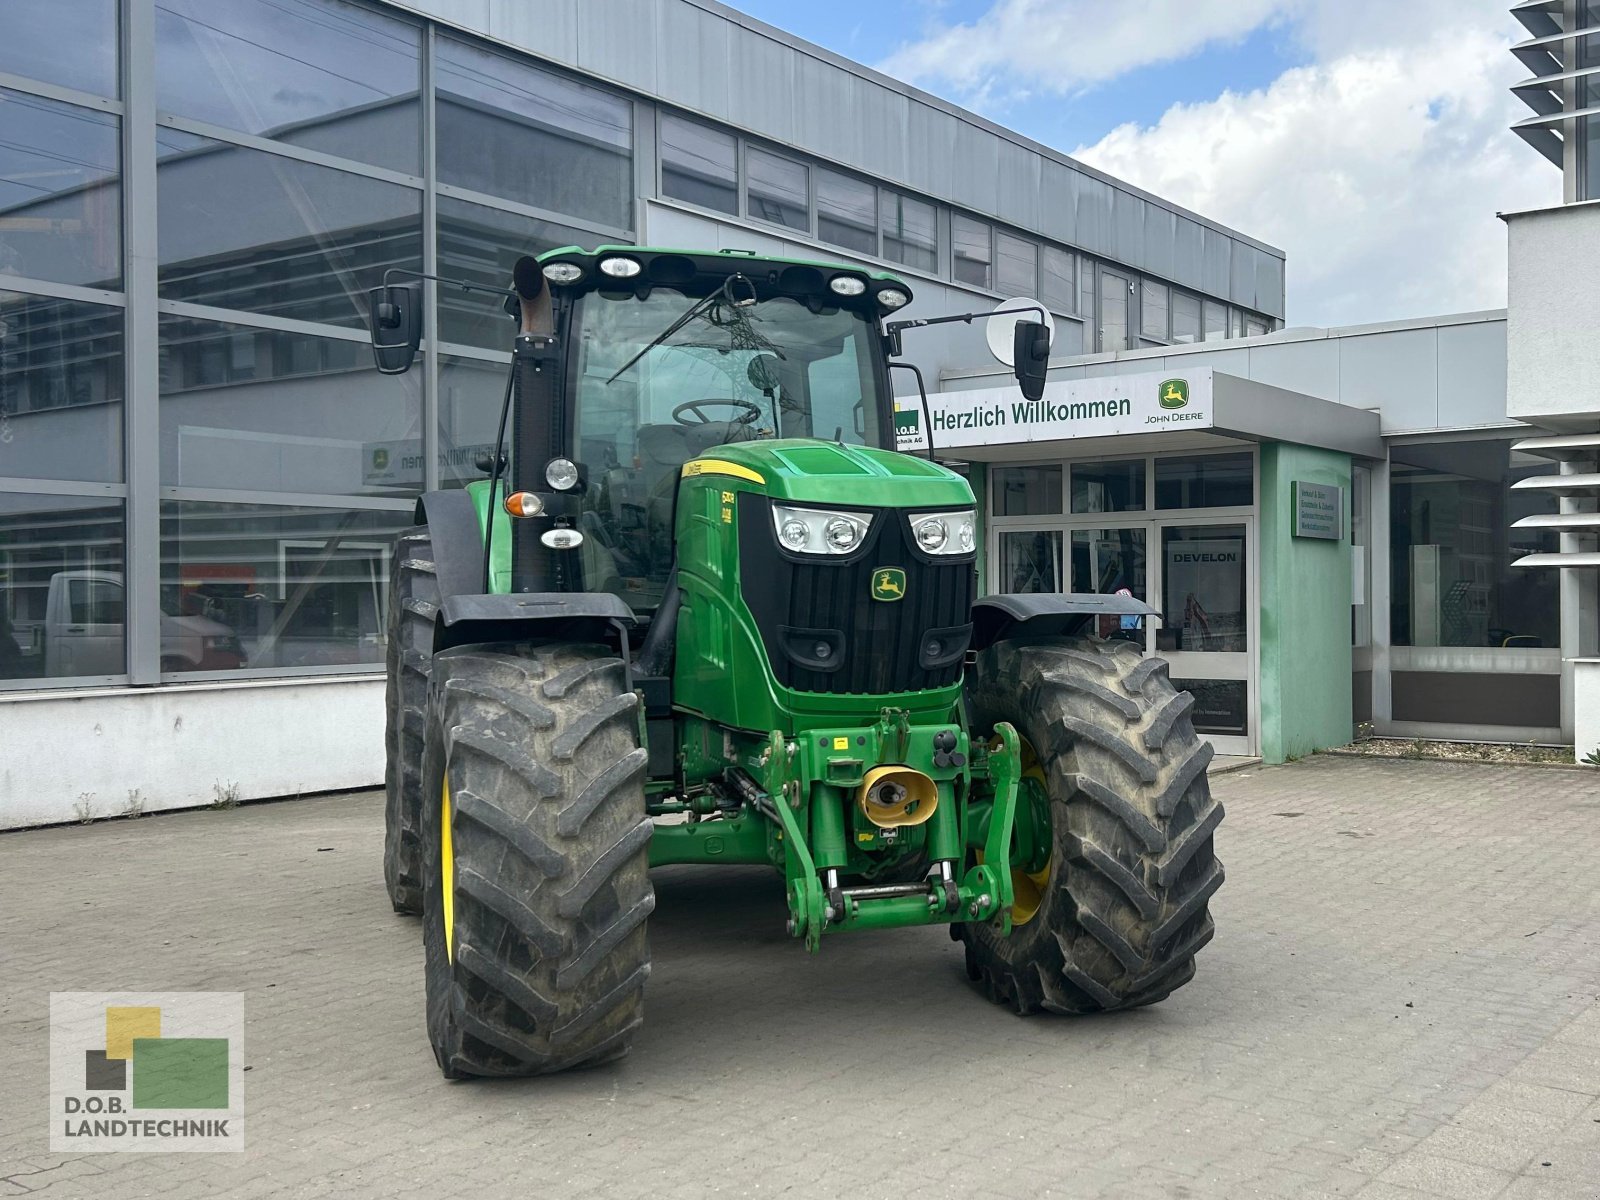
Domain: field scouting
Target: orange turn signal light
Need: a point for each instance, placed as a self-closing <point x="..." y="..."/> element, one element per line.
<point x="524" y="504"/>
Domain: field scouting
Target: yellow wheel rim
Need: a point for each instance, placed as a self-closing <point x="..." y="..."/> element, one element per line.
<point x="1028" y="887"/>
<point x="447" y="873"/>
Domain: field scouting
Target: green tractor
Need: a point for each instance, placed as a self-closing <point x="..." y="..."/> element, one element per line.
<point x="701" y="610"/>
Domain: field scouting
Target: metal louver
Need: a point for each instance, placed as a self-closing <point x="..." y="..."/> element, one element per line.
<point x="1577" y="483"/>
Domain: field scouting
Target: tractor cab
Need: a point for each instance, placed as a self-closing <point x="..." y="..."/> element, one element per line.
<point x="684" y="355"/>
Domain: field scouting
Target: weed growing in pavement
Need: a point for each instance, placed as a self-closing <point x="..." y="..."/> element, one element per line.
<point x="226" y="797"/>
<point x="83" y="807"/>
<point x="135" y="805"/>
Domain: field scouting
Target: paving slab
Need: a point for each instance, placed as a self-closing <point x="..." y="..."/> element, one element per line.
<point x="1403" y="1000"/>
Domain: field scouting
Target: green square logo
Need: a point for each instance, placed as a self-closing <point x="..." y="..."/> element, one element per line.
<point x="907" y="422"/>
<point x="1174" y="393"/>
<point x="180" y="1073"/>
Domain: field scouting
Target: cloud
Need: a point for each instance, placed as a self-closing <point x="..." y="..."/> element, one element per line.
<point x="1378" y="165"/>
<point x="1379" y="173"/>
<point x="1062" y="45"/>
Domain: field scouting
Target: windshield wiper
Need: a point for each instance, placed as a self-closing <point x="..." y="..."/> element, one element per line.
<point x="725" y="292"/>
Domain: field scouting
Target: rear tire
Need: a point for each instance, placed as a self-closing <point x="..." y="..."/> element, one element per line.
<point x="547" y="958"/>
<point x="1132" y="868"/>
<point x="413" y="603"/>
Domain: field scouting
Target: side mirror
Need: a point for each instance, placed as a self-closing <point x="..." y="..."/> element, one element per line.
<point x="1031" y="344"/>
<point x="395" y="320"/>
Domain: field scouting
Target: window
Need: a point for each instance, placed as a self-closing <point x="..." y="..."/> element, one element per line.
<point x="699" y="165"/>
<point x="315" y="241"/>
<point x="847" y="212"/>
<point x="254" y="585"/>
<point x="61" y="377"/>
<point x="1153" y="310"/>
<point x="1203" y="589"/>
<point x="1030" y="561"/>
<point x="1016" y="266"/>
<point x="1216" y="321"/>
<point x="470" y="395"/>
<point x="68" y="42"/>
<point x="1451" y="511"/>
<point x="60" y="192"/>
<point x="324" y="74"/>
<point x="1026" y="491"/>
<point x="910" y="232"/>
<point x="482" y="245"/>
<point x="1205" y="481"/>
<point x="508" y="128"/>
<point x="274" y="411"/>
<point x="1058" y="285"/>
<point x="973" y="254"/>
<point x="778" y="190"/>
<point x="1255" y="326"/>
<point x="94" y="601"/>
<point x="61" y="560"/>
<point x="1185" y="317"/>
<point x="1108" y="486"/>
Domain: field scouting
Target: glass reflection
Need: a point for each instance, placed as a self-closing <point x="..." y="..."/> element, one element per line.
<point x="481" y="245"/>
<point x="60" y="389"/>
<point x="60" y="192"/>
<point x="314" y="242"/>
<point x="290" y="586"/>
<point x="323" y="74"/>
<point x="61" y="588"/>
<point x="270" y="410"/>
<point x="507" y="128"/>
<point x="68" y="42"/>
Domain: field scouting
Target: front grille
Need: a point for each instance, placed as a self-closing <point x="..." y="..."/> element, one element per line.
<point x="804" y="603"/>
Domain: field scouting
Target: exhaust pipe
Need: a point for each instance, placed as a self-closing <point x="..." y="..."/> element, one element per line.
<point x="892" y="797"/>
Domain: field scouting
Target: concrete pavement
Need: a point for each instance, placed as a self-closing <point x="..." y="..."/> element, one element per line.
<point x="1402" y="1001"/>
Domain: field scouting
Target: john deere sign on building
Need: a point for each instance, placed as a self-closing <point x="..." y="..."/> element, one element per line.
<point x="1076" y="408"/>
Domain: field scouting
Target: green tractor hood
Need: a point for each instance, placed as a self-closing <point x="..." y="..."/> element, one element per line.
<point x="832" y="473"/>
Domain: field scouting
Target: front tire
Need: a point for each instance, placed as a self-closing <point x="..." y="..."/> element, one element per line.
<point x="413" y="604"/>
<point x="535" y="888"/>
<point x="1123" y="906"/>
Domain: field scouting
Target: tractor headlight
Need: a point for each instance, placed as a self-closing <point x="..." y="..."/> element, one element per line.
<point x="818" y="530"/>
<point x="563" y="272"/>
<point x="946" y="532"/>
<point x="561" y="474"/>
<point x="794" y="535"/>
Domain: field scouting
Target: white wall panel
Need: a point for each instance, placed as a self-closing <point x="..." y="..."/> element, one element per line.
<point x="186" y="746"/>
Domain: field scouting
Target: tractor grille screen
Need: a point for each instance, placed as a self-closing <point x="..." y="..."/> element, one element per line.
<point x="829" y="624"/>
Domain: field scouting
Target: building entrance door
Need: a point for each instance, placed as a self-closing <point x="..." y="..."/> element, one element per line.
<point x="1197" y="574"/>
<point x="1207" y="627"/>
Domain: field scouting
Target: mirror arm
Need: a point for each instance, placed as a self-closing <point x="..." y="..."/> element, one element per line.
<point x="505" y="293"/>
<point x="894" y="327"/>
<point x="922" y="392"/>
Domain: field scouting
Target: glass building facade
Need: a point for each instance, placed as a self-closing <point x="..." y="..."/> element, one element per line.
<point x="200" y="469"/>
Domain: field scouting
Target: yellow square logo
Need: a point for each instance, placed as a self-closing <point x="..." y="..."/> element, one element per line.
<point x="841" y="743"/>
<point x="123" y="1025"/>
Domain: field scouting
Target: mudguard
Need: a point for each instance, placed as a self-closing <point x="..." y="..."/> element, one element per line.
<point x="998" y="618"/>
<point x="554" y="616"/>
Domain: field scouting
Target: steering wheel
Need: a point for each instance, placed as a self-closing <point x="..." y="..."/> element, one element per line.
<point x="748" y="412"/>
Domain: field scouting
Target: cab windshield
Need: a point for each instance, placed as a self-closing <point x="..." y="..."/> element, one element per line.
<point x="731" y="373"/>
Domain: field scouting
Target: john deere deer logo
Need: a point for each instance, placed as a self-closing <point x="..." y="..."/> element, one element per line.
<point x="380" y="459"/>
<point x="1174" y="393"/>
<point x="889" y="584"/>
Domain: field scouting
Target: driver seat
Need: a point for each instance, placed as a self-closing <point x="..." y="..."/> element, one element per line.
<point x="663" y="449"/>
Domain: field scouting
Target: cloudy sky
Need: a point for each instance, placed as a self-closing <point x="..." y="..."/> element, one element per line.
<point x="1367" y="138"/>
